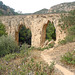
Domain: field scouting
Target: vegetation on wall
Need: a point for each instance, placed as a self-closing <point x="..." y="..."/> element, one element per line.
<point x="2" y="30"/>
<point x="50" y="32"/>
<point x="68" y="20"/>
<point x="25" y="35"/>
<point x="69" y="25"/>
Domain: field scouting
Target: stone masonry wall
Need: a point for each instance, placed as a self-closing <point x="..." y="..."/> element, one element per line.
<point x="36" y="23"/>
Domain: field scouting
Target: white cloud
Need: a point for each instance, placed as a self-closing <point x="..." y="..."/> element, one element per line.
<point x="30" y="6"/>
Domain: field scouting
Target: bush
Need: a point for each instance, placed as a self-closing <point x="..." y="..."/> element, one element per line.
<point x="69" y="58"/>
<point x="10" y="57"/>
<point x="7" y="45"/>
<point x="2" y="30"/>
<point x="70" y="37"/>
<point x="25" y="35"/>
<point x="50" y="32"/>
<point x="67" y="40"/>
<point x="68" y="20"/>
<point x="62" y="42"/>
<point x="24" y="46"/>
<point x="71" y="30"/>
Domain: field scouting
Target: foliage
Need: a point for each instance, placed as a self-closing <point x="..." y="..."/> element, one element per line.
<point x="30" y="63"/>
<point x="70" y="37"/>
<point x="51" y="45"/>
<point x="71" y="30"/>
<point x="69" y="58"/>
<point x="25" y="35"/>
<point x="2" y="30"/>
<point x="62" y="8"/>
<point x="41" y="49"/>
<point x="67" y="40"/>
<point x="50" y="32"/>
<point x="33" y="68"/>
<point x="68" y="20"/>
<point x="69" y="23"/>
<point x="24" y="46"/>
<point x="1" y="13"/>
<point x="42" y="11"/>
<point x="10" y="57"/>
<point x="62" y="42"/>
<point x="7" y="45"/>
<point x="2" y="69"/>
<point x="32" y="48"/>
<point x="4" y="10"/>
<point x="1" y="3"/>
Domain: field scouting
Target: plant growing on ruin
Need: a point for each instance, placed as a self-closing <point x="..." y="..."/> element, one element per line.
<point x="2" y="30"/>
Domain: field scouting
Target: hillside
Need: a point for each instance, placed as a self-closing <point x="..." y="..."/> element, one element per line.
<point x="42" y="11"/>
<point x="62" y="8"/>
<point x="6" y="10"/>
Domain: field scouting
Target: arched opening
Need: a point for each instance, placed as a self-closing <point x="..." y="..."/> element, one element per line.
<point x="24" y="35"/>
<point x="50" y="32"/>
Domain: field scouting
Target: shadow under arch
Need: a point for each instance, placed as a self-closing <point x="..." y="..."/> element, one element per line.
<point x="24" y="30"/>
<point x="44" y="31"/>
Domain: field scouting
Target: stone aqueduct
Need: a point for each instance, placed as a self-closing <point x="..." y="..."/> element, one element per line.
<point x="36" y="23"/>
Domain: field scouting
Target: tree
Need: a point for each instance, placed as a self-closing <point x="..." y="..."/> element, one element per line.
<point x="25" y="35"/>
<point x="1" y="3"/>
<point x="50" y="32"/>
<point x="2" y="30"/>
<point x="8" y="45"/>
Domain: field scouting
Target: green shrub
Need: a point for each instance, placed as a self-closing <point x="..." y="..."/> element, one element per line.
<point x="68" y="20"/>
<point x="10" y="57"/>
<point x="32" y="48"/>
<point x="50" y="32"/>
<point x="2" y="30"/>
<point x="29" y="67"/>
<point x="24" y="46"/>
<point x="70" y="37"/>
<point x="2" y="69"/>
<point x="25" y="35"/>
<point x="69" y="58"/>
<point x="51" y="45"/>
<point x="71" y="30"/>
<point x="7" y="45"/>
<point x="69" y="23"/>
<point x="67" y="39"/>
<point x="62" y="42"/>
<point x="51" y="67"/>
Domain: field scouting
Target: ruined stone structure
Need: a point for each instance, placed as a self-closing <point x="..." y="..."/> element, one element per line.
<point x="36" y="23"/>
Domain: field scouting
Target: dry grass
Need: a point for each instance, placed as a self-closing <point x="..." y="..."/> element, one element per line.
<point x="30" y="62"/>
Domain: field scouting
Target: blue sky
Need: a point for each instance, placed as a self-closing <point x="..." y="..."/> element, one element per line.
<point x="30" y="6"/>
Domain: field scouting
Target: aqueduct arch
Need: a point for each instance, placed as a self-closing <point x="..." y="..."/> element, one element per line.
<point x="36" y="23"/>
<point x="17" y="33"/>
<point x="43" y="34"/>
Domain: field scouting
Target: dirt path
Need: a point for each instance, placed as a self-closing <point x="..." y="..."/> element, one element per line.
<point x="54" y="54"/>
